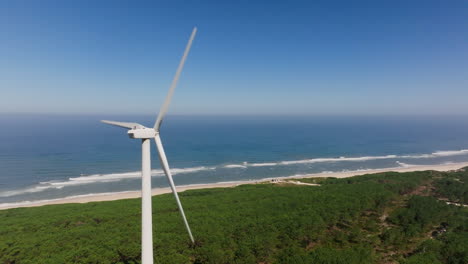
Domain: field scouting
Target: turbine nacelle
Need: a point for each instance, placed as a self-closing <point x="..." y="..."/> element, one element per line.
<point x="135" y="130"/>
<point x="142" y="132"/>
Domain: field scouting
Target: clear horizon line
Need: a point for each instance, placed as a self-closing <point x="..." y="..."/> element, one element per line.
<point x="233" y="114"/>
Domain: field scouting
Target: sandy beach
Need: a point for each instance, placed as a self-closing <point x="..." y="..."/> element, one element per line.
<point x="158" y="191"/>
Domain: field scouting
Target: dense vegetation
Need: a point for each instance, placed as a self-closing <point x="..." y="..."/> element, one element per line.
<point x="454" y="186"/>
<point x="380" y="218"/>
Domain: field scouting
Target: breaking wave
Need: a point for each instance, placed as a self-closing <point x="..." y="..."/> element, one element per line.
<point x="355" y="159"/>
<point x="97" y="178"/>
<point x="113" y="177"/>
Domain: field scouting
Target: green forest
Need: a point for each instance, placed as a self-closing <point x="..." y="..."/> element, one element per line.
<point x="376" y="218"/>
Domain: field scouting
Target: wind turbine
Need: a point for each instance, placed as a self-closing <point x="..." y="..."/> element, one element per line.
<point x="146" y="134"/>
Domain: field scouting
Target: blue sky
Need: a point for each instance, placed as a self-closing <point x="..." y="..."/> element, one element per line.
<point x="250" y="57"/>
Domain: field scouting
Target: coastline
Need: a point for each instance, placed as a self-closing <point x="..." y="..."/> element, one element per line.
<point x="158" y="191"/>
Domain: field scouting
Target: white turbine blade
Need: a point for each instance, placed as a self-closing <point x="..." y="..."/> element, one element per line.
<point x="165" y="106"/>
<point x="167" y="171"/>
<point x="128" y="125"/>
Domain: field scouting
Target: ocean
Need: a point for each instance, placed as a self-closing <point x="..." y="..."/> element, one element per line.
<point x="45" y="157"/>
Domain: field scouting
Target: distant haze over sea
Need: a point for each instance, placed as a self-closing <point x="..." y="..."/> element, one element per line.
<point x="54" y="156"/>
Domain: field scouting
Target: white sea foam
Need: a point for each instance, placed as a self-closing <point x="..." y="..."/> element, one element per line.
<point x="40" y="188"/>
<point x="232" y="166"/>
<point x="34" y="189"/>
<point x="113" y="177"/>
<point x="266" y="164"/>
<point x="404" y="165"/>
<point x="366" y="158"/>
<point x="320" y="160"/>
<point x="451" y="152"/>
<point x="97" y="178"/>
<point x="445" y="153"/>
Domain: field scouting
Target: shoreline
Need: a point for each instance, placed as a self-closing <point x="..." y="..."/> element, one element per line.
<point x="158" y="191"/>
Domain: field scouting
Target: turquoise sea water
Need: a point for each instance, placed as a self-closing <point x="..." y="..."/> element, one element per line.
<point x="53" y="156"/>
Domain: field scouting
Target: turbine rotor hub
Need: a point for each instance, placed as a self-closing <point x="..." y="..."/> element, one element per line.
<point x="142" y="132"/>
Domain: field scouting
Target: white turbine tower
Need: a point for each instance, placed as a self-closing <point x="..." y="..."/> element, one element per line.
<point x="146" y="134"/>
